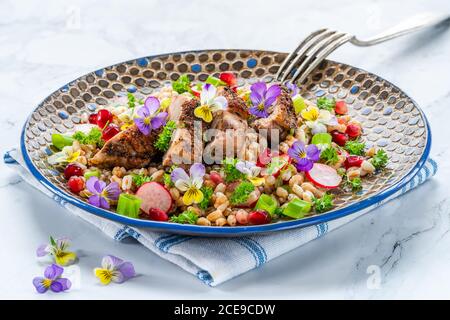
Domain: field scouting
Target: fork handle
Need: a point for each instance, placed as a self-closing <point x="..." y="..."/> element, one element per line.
<point x="415" y="23"/>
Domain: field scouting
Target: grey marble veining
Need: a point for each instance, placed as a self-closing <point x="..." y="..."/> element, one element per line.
<point x="401" y="250"/>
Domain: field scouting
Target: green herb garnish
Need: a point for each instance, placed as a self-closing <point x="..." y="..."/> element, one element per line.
<point x="94" y="137"/>
<point x="354" y="184"/>
<point x="187" y="216"/>
<point x="380" y="159"/>
<point x="131" y="100"/>
<point x="323" y="204"/>
<point x="326" y="104"/>
<point x="139" y="179"/>
<point x="329" y="155"/>
<point x="207" y="194"/>
<point x="162" y="143"/>
<point x="167" y="180"/>
<point x="242" y="192"/>
<point x="182" y="85"/>
<point x="231" y="173"/>
<point x="355" y="147"/>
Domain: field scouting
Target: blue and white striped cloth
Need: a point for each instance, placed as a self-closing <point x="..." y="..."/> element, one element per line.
<point x="213" y="260"/>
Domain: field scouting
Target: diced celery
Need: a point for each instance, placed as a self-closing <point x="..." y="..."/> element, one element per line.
<point x="321" y="139"/>
<point x="60" y="141"/>
<point x="297" y="208"/>
<point x="266" y="203"/>
<point x="92" y="173"/>
<point x="299" y="103"/>
<point x="214" y="81"/>
<point x="128" y="205"/>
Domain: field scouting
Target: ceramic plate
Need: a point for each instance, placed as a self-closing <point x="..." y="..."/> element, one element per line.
<point x="390" y="118"/>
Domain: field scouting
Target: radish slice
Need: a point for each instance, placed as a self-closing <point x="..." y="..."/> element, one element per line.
<point x="154" y="195"/>
<point x="324" y="176"/>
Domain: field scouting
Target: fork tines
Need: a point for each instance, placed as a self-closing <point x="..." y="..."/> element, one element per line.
<point x="310" y="53"/>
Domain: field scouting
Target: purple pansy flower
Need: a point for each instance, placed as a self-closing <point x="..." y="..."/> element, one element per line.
<point x="102" y="193"/>
<point x="292" y="88"/>
<point x="149" y="118"/>
<point x="52" y="280"/>
<point x="262" y="98"/>
<point x="304" y="156"/>
<point x="114" y="269"/>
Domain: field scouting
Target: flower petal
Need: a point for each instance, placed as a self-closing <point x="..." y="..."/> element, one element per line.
<point x="111" y="262"/>
<point x="258" y="113"/>
<point x="192" y="195"/>
<point x="219" y="103"/>
<point x="312" y="152"/>
<point x="297" y="148"/>
<point x="94" y="200"/>
<point x="38" y="283"/>
<point x="304" y="164"/>
<point x="310" y="113"/>
<point x="256" y="98"/>
<point x="94" y="185"/>
<point x="256" y="181"/>
<point x="159" y="120"/>
<point x="260" y="88"/>
<point x="178" y="174"/>
<point x="208" y="93"/>
<point x="197" y="170"/>
<point x="112" y="191"/>
<point x="152" y="104"/>
<point x="142" y="126"/>
<point x="127" y="270"/>
<point x="104" y="203"/>
<point x="317" y="127"/>
<point x="63" y="258"/>
<point x="61" y="284"/>
<point x="203" y="112"/>
<point x="117" y="276"/>
<point x="103" y="274"/>
<point x="273" y="92"/>
<point x="42" y="250"/>
<point x="182" y="185"/>
<point x="53" y="271"/>
<point x="143" y="112"/>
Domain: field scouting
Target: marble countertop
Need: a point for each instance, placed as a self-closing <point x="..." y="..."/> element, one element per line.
<point x="401" y="250"/>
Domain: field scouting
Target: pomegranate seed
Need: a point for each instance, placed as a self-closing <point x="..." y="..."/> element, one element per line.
<point x="339" y="138"/>
<point x="229" y="78"/>
<point x="103" y="117"/>
<point x="258" y="217"/>
<point x="353" y="161"/>
<point x="93" y="118"/>
<point x="110" y="131"/>
<point x="72" y="170"/>
<point x="75" y="184"/>
<point x="340" y="107"/>
<point x="215" y="177"/>
<point x="155" y="214"/>
<point x="353" y="130"/>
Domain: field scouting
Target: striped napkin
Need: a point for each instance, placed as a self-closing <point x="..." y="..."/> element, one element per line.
<point x="213" y="260"/>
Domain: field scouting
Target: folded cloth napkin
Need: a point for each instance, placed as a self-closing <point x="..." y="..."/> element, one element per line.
<point x="213" y="260"/>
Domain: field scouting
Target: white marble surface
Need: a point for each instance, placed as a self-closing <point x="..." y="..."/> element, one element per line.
<point x="44" y="44"/>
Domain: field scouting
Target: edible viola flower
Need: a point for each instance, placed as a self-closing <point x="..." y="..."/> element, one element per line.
<point x="304" y="156"/>
<point x="148" y="118"/>
<point x="263" y="98"/>
<point x="66" y="155"/>
<point x="318" y="119"/>
<point x="52" y="280"/>
<point x="58" y="249"/>
<point x="114" y="269"/>
<point x="102" y="194"/>
<point x="189" y="184"/>
<point x="292" y="88"/>
<point x="209" y="103"/>
<point x="251" y="171"/>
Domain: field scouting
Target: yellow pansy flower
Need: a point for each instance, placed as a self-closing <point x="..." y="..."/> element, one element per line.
<point x="189" y="184"/>
<point x="209" y="103"/>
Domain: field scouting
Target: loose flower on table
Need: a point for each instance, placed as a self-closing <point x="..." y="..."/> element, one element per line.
<point x="263" y="98"/>
<point x="52" y="280"/>
<point x="189" y="184"/>
<point x="114" y="269"/>
<point x="58" y="250"/>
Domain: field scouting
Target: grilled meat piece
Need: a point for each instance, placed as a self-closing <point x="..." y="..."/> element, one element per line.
<point x="235" y="104"/>
<point x="129" y="149"/>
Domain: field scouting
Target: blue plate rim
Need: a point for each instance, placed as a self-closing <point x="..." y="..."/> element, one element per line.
<point x="225" y="231"/>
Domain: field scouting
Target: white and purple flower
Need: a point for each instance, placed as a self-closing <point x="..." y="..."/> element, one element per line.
<point x="209" y="103"/>
<point x="251" y="171"/>
<point x="52" y="280"/>
<point x="102" y="194"/>
<point x="57" y="248"/>
<point x="114" y="269"/>
<point x="262" y="98"/>
<point x="148" y="116"/>
<point x="292" y="88"/>
<point x="189" y="184"/>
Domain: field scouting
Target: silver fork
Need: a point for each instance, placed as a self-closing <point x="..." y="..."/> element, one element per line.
<point x="321" y="43"/>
